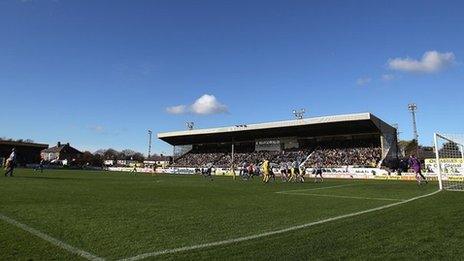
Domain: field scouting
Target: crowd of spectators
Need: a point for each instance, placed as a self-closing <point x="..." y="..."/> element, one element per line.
<point x="334" y="157"/>
<point x="249" y="157"/>
<point x="363" y="157"/>
<point x="198" y="159"/>
<point x="291" y="156"/>
<point x="223" y="160"/>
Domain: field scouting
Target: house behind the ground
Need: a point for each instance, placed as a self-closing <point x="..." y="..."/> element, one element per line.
<point x="63" y="153"/>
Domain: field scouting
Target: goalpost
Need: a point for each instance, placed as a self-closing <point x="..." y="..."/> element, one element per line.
<point x="449" y="157"/>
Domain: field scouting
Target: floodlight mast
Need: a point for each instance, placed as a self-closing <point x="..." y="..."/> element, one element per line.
<point x="299" y="114"/>
<point x="149" y="142"/>
<point x="397" y="131"/>
<point x="412" y="107"/>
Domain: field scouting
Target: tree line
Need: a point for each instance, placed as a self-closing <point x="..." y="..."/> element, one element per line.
<point x="98" y="157"/>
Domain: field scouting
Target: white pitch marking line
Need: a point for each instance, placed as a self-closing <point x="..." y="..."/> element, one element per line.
<point x="341" y="196"/>
<point x="50" y="239"/>
<point x="270" y="233"/>
<point x="310" y="189"/>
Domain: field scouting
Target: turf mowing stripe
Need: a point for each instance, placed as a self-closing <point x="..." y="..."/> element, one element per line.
<point x="241" y="239"/>
<point x="328" y="187"/>
<point x="340" y="196"/>
<point x="50" y="239"/>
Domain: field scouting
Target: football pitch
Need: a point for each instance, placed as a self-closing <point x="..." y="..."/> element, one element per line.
<point x="79" y="215"/>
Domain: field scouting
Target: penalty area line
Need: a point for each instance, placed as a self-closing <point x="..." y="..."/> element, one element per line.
<point x="270" y="233"/>
<point x="341" y="196"/>
<point x="320" y="188"/>
<point x="50" y="239"/>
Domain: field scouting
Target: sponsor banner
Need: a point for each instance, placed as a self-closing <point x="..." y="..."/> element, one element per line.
<point x="408" y="176"/>
<point x="182" y="171"/>
<point x="267" y="145"/>
<point x="336" y="173"/>
<point x="449" y="166"/>
<point x="346" y="176"/>
<point x="455" y="178"/>
<point x="132" y="169"/>
<point x="368" y="171"/>
<point x="353" y="171"/>
<point x="193" y="171"/>
<point x="392" y="177"/>
<point x="223" y="172"/>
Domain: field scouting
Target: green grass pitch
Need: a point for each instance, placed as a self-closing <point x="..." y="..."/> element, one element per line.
<point x="122" y="215"/>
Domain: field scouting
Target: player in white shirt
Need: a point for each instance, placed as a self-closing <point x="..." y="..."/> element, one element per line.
<point x="317" y="171"/>
<point x="10" y="163"/>
<point x="283" y="171"/>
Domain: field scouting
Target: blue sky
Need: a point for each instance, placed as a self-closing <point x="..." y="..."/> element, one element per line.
<point x="98" y="74"/>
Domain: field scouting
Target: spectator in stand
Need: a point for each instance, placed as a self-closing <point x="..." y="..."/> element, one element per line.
<point x="197" y="159"/>
<point x="331" y="157"/>
<point x="368" y="157"/>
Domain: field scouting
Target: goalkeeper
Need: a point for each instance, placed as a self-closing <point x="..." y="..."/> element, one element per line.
<point x="415" y="165"/>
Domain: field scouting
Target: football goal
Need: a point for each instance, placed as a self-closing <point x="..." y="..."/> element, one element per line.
<point x="449" y="157"/>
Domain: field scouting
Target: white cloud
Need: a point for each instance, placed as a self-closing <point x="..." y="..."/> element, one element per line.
<point x="206" y="104"/>
<point x="363" y="81"/>
<point x="179" y="109"/>
<point x="431" y="62"/>
<point x="388" y="77"/>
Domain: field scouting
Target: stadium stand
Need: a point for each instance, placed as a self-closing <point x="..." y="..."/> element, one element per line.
<point x="27" y="152"/>
<point x="361" y="140"/>
<point x="192" y="159"/>
<point x="334" y="157"/>
<point x="252" y="157"/>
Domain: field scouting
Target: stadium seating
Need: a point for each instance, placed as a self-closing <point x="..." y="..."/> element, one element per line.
<point x="368" y="157"/>
<point x="198" y="159"/>
<point x="251" y="157"/>
<point x="333" y="157"/>
<point x="223" y="160"/>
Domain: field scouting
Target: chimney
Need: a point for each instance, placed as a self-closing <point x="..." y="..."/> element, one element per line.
<point x="59" y="144"/>
<point x="67" y="144"/>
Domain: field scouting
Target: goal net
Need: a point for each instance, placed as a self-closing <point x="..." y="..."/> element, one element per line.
<point x="449" y="157"/>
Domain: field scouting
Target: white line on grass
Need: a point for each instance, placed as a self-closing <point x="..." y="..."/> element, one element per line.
<point x="341" y="196"/>
<point x="309" y="189"/>
<point x="270" y="233"/>
<point x="50" y="239"/>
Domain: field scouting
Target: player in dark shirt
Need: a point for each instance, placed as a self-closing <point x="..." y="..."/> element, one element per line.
<point x="415" y="165"/>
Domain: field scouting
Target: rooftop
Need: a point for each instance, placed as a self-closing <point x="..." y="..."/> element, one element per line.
<point x="315" y="126"/>
<point x="60" y="146"/>
<point x="19" y="144"/>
